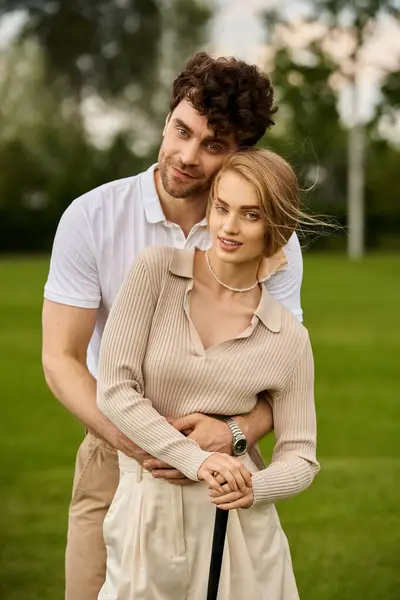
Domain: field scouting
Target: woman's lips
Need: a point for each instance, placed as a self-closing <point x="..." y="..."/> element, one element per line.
<point x="225" y="245"/>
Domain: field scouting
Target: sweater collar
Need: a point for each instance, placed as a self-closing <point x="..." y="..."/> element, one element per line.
<point x="268" y="309"/>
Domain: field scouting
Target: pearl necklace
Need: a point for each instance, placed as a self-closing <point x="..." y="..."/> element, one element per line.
<point x="228" y="287"/>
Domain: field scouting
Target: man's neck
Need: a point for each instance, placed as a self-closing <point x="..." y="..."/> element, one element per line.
<point x="185" y="212"/>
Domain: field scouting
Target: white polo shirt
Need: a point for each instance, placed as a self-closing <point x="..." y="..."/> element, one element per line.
<point x="100" y="234"/>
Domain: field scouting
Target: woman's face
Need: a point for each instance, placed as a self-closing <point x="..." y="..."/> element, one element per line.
<point x="236" y="226"/>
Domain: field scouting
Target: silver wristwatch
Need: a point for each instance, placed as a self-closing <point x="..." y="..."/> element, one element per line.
<point x="239" y="443"/>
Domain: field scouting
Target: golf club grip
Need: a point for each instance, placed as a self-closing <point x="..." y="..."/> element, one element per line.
<point x="221" y="521"/>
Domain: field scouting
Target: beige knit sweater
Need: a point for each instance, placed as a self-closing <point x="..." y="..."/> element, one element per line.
<point x="153" y="365"/>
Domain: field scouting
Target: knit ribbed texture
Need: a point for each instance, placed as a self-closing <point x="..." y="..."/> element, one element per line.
<point x="152" y="366"/>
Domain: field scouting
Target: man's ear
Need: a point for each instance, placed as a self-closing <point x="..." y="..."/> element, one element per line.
<point x="167" y="119"/>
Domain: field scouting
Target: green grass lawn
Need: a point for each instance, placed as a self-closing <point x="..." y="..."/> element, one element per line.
<point x="344" y="531"/>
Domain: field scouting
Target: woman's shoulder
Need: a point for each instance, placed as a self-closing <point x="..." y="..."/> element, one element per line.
<point x="282" y="321"/>
<point x="159" y="261"/>
<point x="150" y="268"/>
<point x="155" y="257"/>
<point x="295" y="334"/>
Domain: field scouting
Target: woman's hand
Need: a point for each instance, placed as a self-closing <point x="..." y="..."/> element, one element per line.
<point x="227" y="500"/>
<point x="224" y="468"/>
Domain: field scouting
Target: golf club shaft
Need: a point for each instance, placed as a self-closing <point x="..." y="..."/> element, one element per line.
<point x="221" y="521"/>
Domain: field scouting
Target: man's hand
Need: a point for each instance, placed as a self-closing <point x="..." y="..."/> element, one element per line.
<point x="161" y="470"/>
<point x="158" y="468"/>
<point x="212" y="435"/>
<point x="122" y="443"/>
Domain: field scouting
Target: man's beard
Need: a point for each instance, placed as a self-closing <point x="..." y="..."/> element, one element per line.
<point x="183" y="189"/>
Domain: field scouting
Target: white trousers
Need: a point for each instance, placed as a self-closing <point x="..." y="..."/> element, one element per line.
<point x="159" y="538"/>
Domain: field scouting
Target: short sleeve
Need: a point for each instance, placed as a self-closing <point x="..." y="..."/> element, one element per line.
<point x="73" y="276"/>
<point x="285" y="285"/>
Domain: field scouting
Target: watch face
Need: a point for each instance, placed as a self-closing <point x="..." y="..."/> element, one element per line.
<point x="240" y="447"/>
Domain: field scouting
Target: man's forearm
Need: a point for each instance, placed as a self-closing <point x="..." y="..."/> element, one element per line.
<point x="257" y="423"/>
<point x="75" y="387"/>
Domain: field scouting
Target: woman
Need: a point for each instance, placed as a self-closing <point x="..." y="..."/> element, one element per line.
<point x="196" y="331"/>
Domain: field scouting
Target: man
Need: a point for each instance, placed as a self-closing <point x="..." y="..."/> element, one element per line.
<point x="216" y="106"/>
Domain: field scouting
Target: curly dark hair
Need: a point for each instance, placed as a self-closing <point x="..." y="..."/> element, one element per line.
<point x="235" y="97"/>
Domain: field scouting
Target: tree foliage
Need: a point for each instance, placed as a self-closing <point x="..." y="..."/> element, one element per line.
<point x="124" y="52"/>
<point x="308" y="77"/>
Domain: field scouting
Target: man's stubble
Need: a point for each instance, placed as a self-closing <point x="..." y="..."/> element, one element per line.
<point x="180" y="190"/>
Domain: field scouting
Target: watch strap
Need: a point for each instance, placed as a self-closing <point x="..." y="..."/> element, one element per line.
<point x="237" y="432"/>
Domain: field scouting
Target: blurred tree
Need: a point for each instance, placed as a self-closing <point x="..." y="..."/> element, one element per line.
<point x="310" y="67"/>
<point x="45" y="157"/>
<point x="112" y="48"/>
<point x="359" y="20"/>
<point x="122" y="53"/>
<point x="389" y="106"/>
<point x="308" y="128"/>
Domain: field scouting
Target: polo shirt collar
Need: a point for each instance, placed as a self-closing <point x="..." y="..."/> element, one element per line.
<point x="151" y="201"/>
<point x="268" y="309"/>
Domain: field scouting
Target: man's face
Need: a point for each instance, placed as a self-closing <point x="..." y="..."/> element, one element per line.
<point x="190" y="154"/>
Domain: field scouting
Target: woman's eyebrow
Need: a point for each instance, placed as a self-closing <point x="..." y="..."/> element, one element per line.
<point x="244" y="207"/>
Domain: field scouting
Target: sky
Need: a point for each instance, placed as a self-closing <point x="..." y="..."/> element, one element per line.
<point x="237" y="29"/>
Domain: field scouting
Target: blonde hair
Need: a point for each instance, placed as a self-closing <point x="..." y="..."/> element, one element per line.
<point x="277" y="189"/>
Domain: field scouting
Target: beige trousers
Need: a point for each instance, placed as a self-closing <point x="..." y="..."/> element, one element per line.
<point x="95" y="482"/>
<point x="159" y="539"/>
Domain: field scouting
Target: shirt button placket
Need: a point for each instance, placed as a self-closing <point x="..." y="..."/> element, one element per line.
<point x="179" y="238"/>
